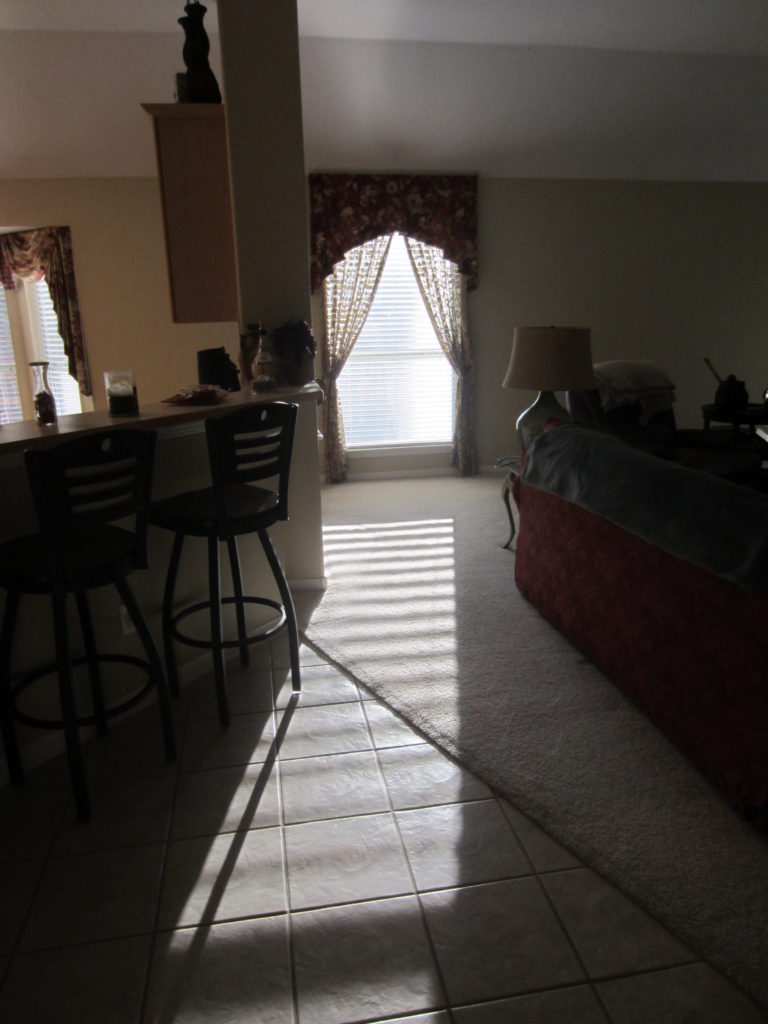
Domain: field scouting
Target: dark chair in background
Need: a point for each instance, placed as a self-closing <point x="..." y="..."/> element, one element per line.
<point x="252" y="444"/>
<point x="81" y="489"/>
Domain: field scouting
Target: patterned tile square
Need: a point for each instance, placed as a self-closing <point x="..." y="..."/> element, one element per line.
<point x="545" y="853"/>
<point x="249" y="689"/>
<point x="344" y="860"/>
<point x="441" y="1017"/>
<point x="88" y="984"/>
<point x="222" y="974"/>
<point x="498" y="939"/>
<point x="389" y="730"/>
<point x="420" y="776"/>
<point x="280" y="650"/>
<point x="611" y="934"/>
<point x="85" y="897"/>
<point x="247" y="738"/>
<point x="217" y="878"/>
<point x="329" y="729"/>
<point x="576" y="1005"/>
<point x="17" y="887"/>
<point x="363" y="962"/>
<point x="30" y="820"/>
<point x="321" y="683"/>
<point x="693" y="993"/>
<point x="335" y="786"/>
<point x="125" y="812"/>
<point x="129" y="751"/>
<point x="226" y="800"/>
<point x="457" y="844"/>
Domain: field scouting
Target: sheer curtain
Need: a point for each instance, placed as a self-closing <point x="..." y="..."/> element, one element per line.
<point x="48" y="251"/>
<point x="444" y="292"/>
<point x="349" y="292"/>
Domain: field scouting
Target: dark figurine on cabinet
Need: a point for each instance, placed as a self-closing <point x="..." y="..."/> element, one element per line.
<point x="198" y="84"/>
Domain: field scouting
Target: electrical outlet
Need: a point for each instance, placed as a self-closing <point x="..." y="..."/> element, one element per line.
<point x="125" y="621"/>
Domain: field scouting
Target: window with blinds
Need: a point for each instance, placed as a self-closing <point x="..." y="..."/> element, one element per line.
<point x="397" y="387"/>
<point x="65" y="388"/>
<point x="36" y="322"/>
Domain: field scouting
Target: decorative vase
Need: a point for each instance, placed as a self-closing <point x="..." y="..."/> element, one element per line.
<point x="250" y="342"/>
<point x="264" y="366"/>
<point x="45" y="405"/>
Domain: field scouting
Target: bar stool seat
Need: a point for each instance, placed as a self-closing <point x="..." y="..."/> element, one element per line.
<point x="253" y="443"/>
<point x="80" y="488"/>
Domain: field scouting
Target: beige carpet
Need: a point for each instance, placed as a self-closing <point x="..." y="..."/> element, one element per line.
<point x="422" y="609"/>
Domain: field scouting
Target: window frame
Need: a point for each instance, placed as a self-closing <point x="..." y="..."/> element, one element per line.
<point x="383" y="449"/>
<point x="27" y="341"/>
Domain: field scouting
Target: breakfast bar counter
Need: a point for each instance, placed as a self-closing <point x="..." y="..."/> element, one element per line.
<point x="181" y="464"/>
<point x="16" y="437"/>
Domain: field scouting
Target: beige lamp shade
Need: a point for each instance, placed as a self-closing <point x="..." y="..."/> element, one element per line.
<point x="550" y="359"/>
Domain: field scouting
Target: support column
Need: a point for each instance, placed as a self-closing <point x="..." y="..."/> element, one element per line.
<point x="259" y="42"/>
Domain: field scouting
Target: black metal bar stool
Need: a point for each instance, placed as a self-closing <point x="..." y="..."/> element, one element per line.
<point x="80" y="489"/>
<point x="254" y="443"/>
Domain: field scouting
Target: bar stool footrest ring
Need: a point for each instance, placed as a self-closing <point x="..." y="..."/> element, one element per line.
<point x="51" y="668"/>
<point x="258" y="636"/>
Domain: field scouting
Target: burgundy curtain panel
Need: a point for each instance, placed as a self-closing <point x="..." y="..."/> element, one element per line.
<point x="349" y="209"/>
<point x="48" y="252"/>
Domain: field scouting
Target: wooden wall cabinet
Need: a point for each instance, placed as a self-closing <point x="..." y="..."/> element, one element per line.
<point x="193" y="165"/>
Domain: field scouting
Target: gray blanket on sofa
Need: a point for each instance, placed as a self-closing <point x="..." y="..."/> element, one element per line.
<point x="693" y="515"/>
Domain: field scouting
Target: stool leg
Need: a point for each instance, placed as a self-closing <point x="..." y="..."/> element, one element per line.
<point x="94" y="674"/>
<point x="68" y="711"/>
<point x="10" y="744"/>
<point x="214" y="595"/>
<point x="237" y="585"/>
<point x="170" y="586"/>
<point x="290" y="611"/>
<point x="156" y="665"/>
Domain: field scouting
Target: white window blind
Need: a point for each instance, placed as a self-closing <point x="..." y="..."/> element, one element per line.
<point x="10" y="401"/>
<point x="66" y="391"/>
<point x="397" y="387"/>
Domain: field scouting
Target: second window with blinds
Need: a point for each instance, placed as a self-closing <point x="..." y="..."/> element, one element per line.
<point x="29" y="331"/>
<point x="397" y="387"/>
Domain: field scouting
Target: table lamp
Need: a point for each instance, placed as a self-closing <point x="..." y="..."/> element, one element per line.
<point x="548" y="359"/>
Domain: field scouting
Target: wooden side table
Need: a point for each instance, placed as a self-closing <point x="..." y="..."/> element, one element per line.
<point x="751" y="416"/>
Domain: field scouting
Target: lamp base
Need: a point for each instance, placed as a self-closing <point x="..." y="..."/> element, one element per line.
<point x="531" y="423"/>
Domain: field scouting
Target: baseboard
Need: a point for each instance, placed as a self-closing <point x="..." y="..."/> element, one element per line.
<point x="398" y="474"/>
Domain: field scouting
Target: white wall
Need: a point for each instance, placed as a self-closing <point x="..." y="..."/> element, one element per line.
<point x="666" y="271"/>
<point x="122" y="278"/>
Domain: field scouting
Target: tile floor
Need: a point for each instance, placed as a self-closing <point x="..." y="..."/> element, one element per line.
<point x="318" y="863"/>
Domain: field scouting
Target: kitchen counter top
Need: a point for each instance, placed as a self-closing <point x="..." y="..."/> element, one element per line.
<point x="16" y="437"/>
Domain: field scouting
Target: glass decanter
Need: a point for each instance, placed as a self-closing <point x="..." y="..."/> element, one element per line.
<point x="45" y="406"/>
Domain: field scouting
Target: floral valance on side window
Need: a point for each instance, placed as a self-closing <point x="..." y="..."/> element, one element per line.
<point x="349" y="209"/>
<point x="48" y="252"/>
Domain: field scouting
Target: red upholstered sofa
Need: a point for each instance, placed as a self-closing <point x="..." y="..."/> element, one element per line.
<point x="659" y="574"/>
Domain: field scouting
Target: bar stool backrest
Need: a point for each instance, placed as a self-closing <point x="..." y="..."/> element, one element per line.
<point x="82" y="484"/>
<point x="253" y="444"/>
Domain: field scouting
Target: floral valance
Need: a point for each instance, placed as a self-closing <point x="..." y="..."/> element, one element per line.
<point x="48" y="252"/>
<point x="349" y="209"/>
